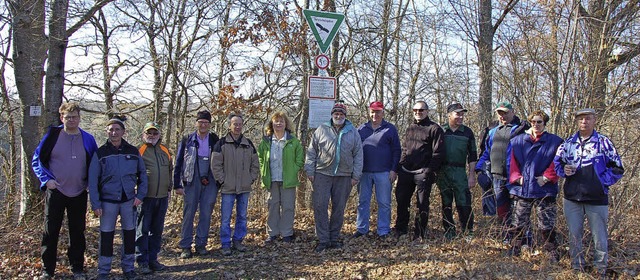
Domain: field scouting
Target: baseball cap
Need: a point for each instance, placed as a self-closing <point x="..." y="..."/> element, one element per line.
<point x="150" y="125"/>
<point x="455" y="107"/>
<point x="503" y="106"/>
<point x="376" y="106"/>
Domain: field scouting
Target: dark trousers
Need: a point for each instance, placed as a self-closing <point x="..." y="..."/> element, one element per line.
<point x="76" y="207"/>
<point x="149" y="227"/>
<point x="407" y="184"/>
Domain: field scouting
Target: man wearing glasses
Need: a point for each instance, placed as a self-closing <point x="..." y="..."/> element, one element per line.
<point x="193" y="178"/>
<point x="152" y="212"/>
<point x="497" y="152"/>
<point x="61" y="162"/>
<point x="422" y="154"/>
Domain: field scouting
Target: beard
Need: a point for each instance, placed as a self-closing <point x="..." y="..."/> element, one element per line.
<point x="152" y="142"/>
<point x="338" y="121"/>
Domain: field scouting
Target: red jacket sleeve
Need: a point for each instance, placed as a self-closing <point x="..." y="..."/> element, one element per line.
<point x="514" y="170"/>
<point x="550" y="173"/>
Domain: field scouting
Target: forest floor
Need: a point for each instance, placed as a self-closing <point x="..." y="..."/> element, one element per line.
<point x="480" y="257"/>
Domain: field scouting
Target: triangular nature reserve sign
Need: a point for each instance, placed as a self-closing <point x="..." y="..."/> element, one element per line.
<point x="324" y="25"/>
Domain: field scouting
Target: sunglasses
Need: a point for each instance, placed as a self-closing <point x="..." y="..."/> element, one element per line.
<point x="419" y="110"/>
<point x="536" y="122"/>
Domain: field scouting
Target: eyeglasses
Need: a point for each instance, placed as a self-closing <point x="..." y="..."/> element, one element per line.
<point x="419" y="110"/>
<point x="152" y="133"/>
<point x="536" y="122"/>
<point x="203" y="122"/>
<point x="67" y="118"/>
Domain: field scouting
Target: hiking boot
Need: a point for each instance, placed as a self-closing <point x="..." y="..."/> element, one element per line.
<point x="201" y="251"/>
<point x="226" y="251"/>
<point x="144" y="268"/>
<point x="287" y="239"/>
<point x="186" y="253"/>
<point x="322" y="246"/>
<point x="450" y="234"/>
<point x="238" y="246"/>
<point x="397" y="233"/>
<point x="157" y="266"/>
<point x="358" y="234"/>
<point x="130" y="275"/>
<point x="336" y="244"/>
<point x="270" y="240"/>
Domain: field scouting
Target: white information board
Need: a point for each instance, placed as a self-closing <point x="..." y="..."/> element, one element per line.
<point x="322" y="87"/>
<point x="319" y="111"/>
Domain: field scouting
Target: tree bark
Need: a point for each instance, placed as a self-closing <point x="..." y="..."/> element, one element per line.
<point x="29" y="43"/>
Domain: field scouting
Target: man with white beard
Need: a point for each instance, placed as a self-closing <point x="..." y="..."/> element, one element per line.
<point x="152" y="212"/>
<point x="334" y="166"/>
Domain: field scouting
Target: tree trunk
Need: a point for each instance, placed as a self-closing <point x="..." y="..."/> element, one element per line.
<point x="58" y="40"/>
<point x="29" y="42"/>
<point x="485" y="60"/>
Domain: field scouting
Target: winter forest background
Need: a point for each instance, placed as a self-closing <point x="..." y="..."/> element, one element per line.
<point x="165" y="60"/>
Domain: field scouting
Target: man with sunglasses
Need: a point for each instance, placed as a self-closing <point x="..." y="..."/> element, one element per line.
<point x="152" y="212"/>
<point x="422" y="154"/>
<point x="497" y="152"/>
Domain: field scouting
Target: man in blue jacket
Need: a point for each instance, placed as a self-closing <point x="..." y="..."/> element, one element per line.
<point x="497" y="152"/>
<point x="61" y="161"/>
<point x="590" y="163"/>
<point x="381" y="153"/>
<point x="117" y="185"/>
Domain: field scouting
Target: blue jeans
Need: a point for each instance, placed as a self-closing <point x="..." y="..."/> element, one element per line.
<point x="197" y="196"/>
<point x="383" y="197"/>
<point x="241" y="201"/>
<point x="598" y="218"/>
<point x="503" y="201"/>
<point x="151" y="214"/>
<point x="110" y="213"/>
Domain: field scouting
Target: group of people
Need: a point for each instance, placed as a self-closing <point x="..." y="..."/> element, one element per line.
<point x="521" y="160"/>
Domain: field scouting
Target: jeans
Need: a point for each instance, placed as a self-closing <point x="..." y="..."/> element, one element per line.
<point x="76" y="207"/>
<point x="150" y="224"/>
<point x="407" y="184"/>
<point x="197" y="197"/>
<point x="335" y="189"/>
<point x="503" y="201"/>
<point x="110" y="213"/>
<point x="383" y="197"/>
<point x="241" y="201"/>
<point x="282" y="206"/>
<point x="598" y="218"/>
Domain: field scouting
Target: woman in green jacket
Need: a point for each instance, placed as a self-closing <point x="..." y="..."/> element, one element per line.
<point x="281" y="157"/>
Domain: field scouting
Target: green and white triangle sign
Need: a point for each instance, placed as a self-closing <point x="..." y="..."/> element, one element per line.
<point x="324" y="25"/>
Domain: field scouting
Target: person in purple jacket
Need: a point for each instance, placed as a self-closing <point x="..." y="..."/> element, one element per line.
<point x="61" y="162"/>
<point x="381" y="150"/>
<point x="590" y="163"/>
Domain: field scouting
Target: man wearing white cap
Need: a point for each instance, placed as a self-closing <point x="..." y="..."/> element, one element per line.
<point x="590" y="163"/>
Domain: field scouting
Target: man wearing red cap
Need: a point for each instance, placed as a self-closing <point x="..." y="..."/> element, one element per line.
<point x="333" y="165"/>
<point x="381" y="153"/>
